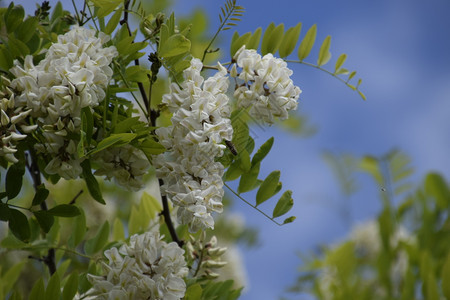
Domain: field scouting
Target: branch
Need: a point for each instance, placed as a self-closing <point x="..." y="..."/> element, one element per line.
<point x="166" y="214"/>
<point x="263" y="213"/>
<point x="35" y="173"/>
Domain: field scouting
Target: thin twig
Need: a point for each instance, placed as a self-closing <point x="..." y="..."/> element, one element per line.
<point x="263" y="213"/>
<point x="35" y="173"/>
<point x="167" y="218"/>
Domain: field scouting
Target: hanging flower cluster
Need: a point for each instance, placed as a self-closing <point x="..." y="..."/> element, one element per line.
<point x="200" y="123"/>
<point x="268" y="91"/>
<point x="11" y="118"/>
<point x="145" y="268"/>
<point x="73" y="75"/>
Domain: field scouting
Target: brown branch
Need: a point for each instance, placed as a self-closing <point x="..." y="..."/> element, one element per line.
<point x="35" y="173"/>
<point x="166" y="213"/>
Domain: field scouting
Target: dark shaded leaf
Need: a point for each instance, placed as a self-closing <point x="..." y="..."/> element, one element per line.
<point x="91" y="182"/>
<point x="64" y="210"/>
<point x="18" y="224"/>
<point x="44" y="219"/>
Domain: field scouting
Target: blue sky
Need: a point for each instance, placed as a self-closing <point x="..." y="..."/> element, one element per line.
<point x="401" y="51"/>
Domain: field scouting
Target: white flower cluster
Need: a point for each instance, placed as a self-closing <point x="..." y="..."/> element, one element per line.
<point x="73" y="75"/>
<point x="146" y="268"/>
<point x="268" y="89"/>
<point x="125" y="164"/>
<point x="200" y="123"/>
<point x="11" y="118"/>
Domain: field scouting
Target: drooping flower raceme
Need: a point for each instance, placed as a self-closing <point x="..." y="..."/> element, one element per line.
<point x="268" y="91"/>
<point x="145" y="268"/>
<point x="72" y="76"/>
<point x="200" y="123"/>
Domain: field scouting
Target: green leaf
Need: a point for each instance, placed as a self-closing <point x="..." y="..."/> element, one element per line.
<point x="175" y="45"/>
<point x="88" y="123"/>
<point x="78" y="230"/>
<point x="118" y="230"/>
<point x="18" y="223"/>
<point x="262" y="151"/>
<point x="234" y="171"/>
<point x="266" y="37"/>
<point x="268" y="187"/>
<point x="14" y="178"/>
<point x="283" y="205"/>
<point x="249" y="179"/>
<point x="115" y="139"/>
<point x="91" y="182"/>
<point x="25" y="31"/>
<point x="307" y="43"/>
<point x="436" y="186"/>
<point x="244" y="159"/>
<point x="40" y="196"/>
<point x="106" y="6"/>
<point x="151" y="147"/>
<point x="17" y="47"/>
<point x="38" y="290"/>
<point x="137" y="74"/>
<point x="113" y="21"/>
<point x="362" y="95"/>
<point x="290" y="40"/>
<point x="253" y="42"/>
<point x="96" y="244"/>
<point x="239" y="42"/>
<point x="274" y="41"/>
<point x="324" y="53"/>
<point x="241" y="133"/>
<point x="14" y="17"/>
<point x="10" y="277"/>
<point x="446" y="277"/>
<point x="370" y="165"/>
<point x="126" y="125"/>
<point x="53" y="290"/>
<point x="71" y="286"/>
<point x="340" y="61"/>
<point x="64" y="210"/>
<point x="44" y="219"/>
<point x="4" y="212"/>
<point x="289" y="220"/>
<point x="194" y="292"/>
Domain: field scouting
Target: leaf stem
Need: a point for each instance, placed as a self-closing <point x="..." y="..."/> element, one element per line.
<point x="263" y="213"/>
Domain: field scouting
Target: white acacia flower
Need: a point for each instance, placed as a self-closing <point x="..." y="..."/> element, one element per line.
<point x="145" y="268"/>
<point x="268" y="90"/>
<point x="200" y="123"/>
<point x="73" y="75"/>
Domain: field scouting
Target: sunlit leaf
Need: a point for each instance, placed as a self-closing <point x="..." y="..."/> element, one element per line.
<point x="262" y="151"/>
<point x="284" y="204"/>
<point x="268" y="187"/>
<point x="53" y="290"/>
<point x="113" y="21"/>
<point x="340" y="61"/>
<point x="175" y="45"/>
<point x="324" y="53"/>
<point x="290" y="40"/>
<point x="307" y="43"/>
<point x="253" y="42"/>
<point x="248" y="180"/>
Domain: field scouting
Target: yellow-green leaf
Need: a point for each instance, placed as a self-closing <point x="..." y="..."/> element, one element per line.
<point x="307" y="43"/>
<point x="253" y="43"/>
<point x="324" y="53"/>
<point x="340" y="61"/>
<point x="272" y="43"/>
<point x="446" y="277"/>
<point x="290" y="40"/>
<point x="175" y="45"/>
<point x="113" y="21"/>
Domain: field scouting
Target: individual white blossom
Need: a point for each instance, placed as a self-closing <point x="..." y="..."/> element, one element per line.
<point x="145" y="268"/>
<point x="126" y="164"/>
<point x="268" y="91"/>
<point x="73" y="75"/>
<point x="200" y="123"/>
